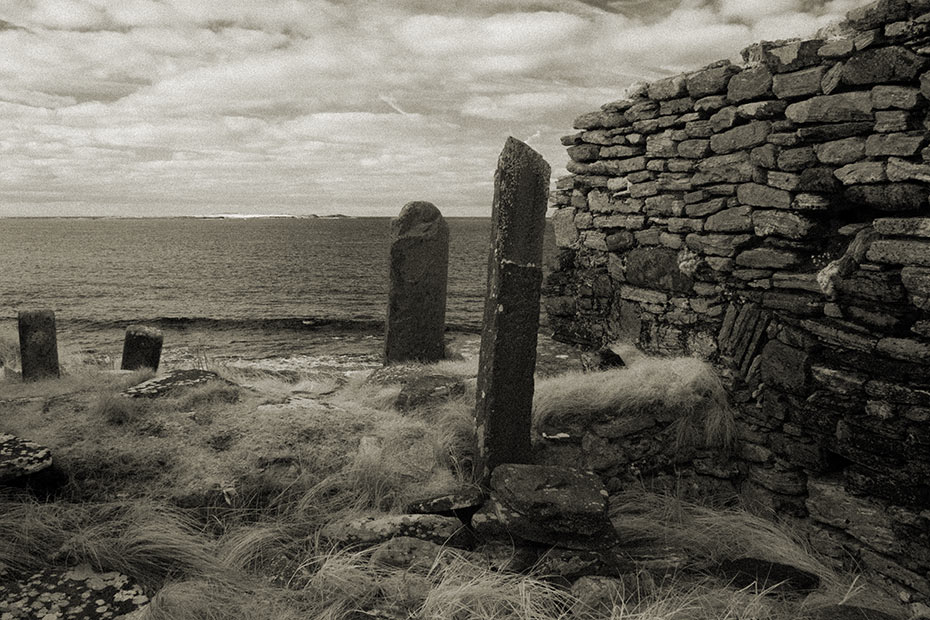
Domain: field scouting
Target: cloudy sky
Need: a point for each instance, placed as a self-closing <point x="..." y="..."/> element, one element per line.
<point x="184" y="107"/>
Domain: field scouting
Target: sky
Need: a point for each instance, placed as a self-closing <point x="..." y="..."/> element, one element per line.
<point x="196" y="107"/>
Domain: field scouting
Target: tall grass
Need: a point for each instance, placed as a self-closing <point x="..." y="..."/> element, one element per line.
<point x="683" y="390"/>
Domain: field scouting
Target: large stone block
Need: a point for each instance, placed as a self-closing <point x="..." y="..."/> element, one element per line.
<point x="844" y="151"/>
<point x="890" y="196"/>
<point x="416" y="315"/>
<point x="798" y="83"/>
<point x="882" y="64"/>
<point x="752" y="83"/>
<point x="742" y="137"/>
<point x="763" y="196"/>
<point x="735" y="219"/>
<point x="656" y="268"/>
<point x="712" y="80"/>
<point x="782" y="223"/>
<point x="838" y="108"/>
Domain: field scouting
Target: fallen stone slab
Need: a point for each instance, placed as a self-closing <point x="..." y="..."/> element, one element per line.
<point x="773" y="577"/>
<point x="462" y="504"/>
<point x="77" y="593"/>
<point x="370" y="531"/>
<point x="173" y="381"/>
<point x="19" y="457"/>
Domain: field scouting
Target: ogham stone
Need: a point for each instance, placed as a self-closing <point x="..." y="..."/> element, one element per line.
<point x="38" y="345"/>
<point x="416" y="313"/>
<point x="511" y="313"/>
<point x="141" y="348"/>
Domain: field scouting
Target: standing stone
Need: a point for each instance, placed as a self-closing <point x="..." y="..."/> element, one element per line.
<point x="38" y="345"/>
<point x="511" y="311"/>
<point x="416" y="314"/>
<point x="141" y="348"/>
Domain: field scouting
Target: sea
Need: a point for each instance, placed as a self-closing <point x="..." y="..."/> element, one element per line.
<point x="287" y="293"/>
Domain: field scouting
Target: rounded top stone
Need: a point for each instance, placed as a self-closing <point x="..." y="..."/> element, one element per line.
<point x="144" y="330"/>
<point x="418" y="219"/>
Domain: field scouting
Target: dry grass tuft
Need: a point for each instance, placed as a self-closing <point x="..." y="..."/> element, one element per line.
<point x="683" y="389"/>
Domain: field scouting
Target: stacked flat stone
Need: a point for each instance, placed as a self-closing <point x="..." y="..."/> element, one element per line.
<point x="772" y="217"/>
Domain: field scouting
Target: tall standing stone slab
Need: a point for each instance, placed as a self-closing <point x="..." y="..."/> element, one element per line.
<point x="38" y="345"/>
<point x="416" y="314"/>
<point x="511" y="312"/>
<point x="142" y="348"/>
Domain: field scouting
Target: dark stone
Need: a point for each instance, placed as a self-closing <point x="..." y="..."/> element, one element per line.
<point x="752" y="83"/>
<point x="141" y="348"/>
<point x="882" y="65"/>
<point x="19" y="458"/>
<point x="834" y="131"/>
<point x="785" y="367"/>
<point x="507" y="360"/>
<point x="461" y="504"/>
<point x="656" y="268"/>
<point x="711" y="80"/>
<point x="846" y="612"/>
<point x="901" y="488"/>
<point x="369" y="531"/>
<point x="38" y="345"/>
<point x="602" y="359"/>
<point x="889" y="197"/>
<point x="416" y="312"/>
<point x="772" y="577"/>
<point x="546" y="504"/>
<point x="428" y="390"/>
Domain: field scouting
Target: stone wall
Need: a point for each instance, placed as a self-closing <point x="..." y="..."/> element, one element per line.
<point x="772" y="217"/>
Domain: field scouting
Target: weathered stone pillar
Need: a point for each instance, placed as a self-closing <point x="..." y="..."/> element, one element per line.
<point x="416" y="313"/>
<point x="141" y="348"/>
<point x="38" y="345"/>
<point x="503" y="412"/>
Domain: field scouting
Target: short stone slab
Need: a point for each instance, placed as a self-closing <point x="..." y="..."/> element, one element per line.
<point x="19" y="458"/>
<point x="428" y="390"/>
<point x="78" y="593"/>
<point x="174" y="380"/>
<point x="847" y="612"/>
<point x="601" y="594"/>
<point x="370" y="531"/>
<point x="463" y="502"/>
<point x="773" y="577"/>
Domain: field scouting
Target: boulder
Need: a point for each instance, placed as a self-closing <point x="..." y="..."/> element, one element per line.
<point x="19" y="458"/>
<point x="66" y="594"/>
<point x="369" y="531"/>
<point x="406" y="553"/>
<point x="546" y="504"/>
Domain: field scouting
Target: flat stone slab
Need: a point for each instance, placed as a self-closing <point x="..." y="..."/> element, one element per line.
<point x="174" y="380"/>
<point x="78" y="593"/>
<point x="448" y="504"/>
<point x="369" y="531"/>
<point x="19" y="457"/>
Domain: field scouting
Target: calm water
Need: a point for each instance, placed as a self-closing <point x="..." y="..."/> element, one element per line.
<point x="222" y="280"/>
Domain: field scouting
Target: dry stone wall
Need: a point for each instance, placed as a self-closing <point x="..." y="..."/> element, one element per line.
<point x="772" y="217"/>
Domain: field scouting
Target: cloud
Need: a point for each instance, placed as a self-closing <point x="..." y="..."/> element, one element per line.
<point x="191" y="105"/>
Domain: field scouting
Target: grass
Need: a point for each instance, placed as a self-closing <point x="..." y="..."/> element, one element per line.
<point x="213" y="498"/>
<point x="685" y="391"/>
